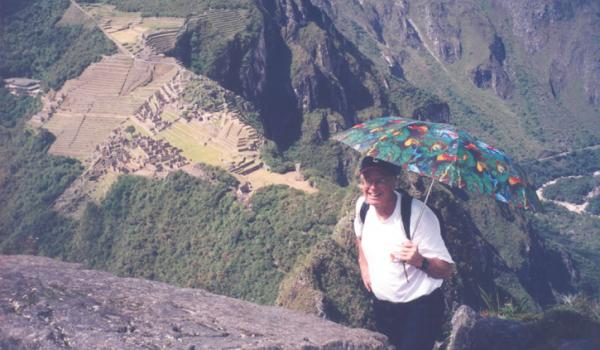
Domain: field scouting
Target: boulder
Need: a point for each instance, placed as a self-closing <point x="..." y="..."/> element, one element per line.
<point x="470" y="331"/>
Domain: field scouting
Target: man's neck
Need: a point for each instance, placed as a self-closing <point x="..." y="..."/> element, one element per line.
<point x="385" y="210"/>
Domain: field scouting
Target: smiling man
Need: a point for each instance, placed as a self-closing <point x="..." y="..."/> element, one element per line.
<point x="404" y="275"/>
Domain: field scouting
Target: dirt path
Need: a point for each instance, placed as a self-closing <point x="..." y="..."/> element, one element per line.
<point x="121" y="48"/>
<point x="593" y="147"/>
<point x="575" y="208"/>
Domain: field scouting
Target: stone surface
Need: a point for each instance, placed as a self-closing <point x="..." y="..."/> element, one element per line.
<point x="48" y="304"/>
<point x="470" y="331"/>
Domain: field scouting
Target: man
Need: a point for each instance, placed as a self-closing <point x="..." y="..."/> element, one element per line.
<point x="403" y="275"/>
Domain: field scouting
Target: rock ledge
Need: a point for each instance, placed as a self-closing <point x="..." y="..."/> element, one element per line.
<point x="48" y="304"/>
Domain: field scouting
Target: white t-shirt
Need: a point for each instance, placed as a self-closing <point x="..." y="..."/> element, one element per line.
<point x="379" y="239"/>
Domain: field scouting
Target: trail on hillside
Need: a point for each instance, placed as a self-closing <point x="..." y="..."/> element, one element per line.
<point x="562" y="154"/>
<point x="575" y="208"/>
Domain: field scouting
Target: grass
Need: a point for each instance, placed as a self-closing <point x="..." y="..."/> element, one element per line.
<point x="191" y="141"/>
<point x="263" y="177"/>
<point x="102" y="186"/>
<point x="161" y="23"/>
<point x="168" y="116"/>
<point x="99" y="11"/>
<point x="127" y="36"/>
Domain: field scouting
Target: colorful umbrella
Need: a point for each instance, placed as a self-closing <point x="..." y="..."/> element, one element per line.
<point x="444" y="153"/>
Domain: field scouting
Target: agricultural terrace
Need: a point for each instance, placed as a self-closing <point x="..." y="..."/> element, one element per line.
<point x="226" y="22"/>
<point x="104" y="96"/>
<point x="134" y="32"/>
<point x="146" y="114"/>
<point x="78" y="135"/>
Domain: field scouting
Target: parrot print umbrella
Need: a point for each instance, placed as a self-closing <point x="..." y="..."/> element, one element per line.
<point x="444" y="153"/>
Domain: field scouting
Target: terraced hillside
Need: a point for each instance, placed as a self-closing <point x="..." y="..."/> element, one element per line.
<point x="134" y="33"/>
<point x="227" y="22"/>
<point x="139" y="112"/>
<point x="97" y="102"/>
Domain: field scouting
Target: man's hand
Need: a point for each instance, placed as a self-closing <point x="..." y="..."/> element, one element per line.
<point x="409" y="253"/>
<point x="364" y="274"/>
<point x="364" y="267"/>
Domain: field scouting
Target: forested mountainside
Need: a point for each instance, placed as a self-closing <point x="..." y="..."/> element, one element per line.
<point x="521" y="75"/>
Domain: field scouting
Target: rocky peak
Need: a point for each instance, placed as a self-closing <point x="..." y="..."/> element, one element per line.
<point x="492" y="73"/>
<point x="48" y="304"/>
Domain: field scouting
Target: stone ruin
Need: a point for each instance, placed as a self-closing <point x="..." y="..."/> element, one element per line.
<point x="118" y="154"/>
<point x="23" y="86"/>
<point x="149" y="113"/>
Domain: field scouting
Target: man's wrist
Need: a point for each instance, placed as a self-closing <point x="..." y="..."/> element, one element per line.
<point x="424" y="264"/>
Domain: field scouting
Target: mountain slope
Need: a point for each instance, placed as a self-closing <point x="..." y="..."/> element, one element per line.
<point x="312" y="68"/>
<point x="493" y="62"/>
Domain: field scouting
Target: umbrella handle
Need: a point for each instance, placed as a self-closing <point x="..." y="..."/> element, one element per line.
<point x="418" y="222"/>
<point x="422" y="209"/>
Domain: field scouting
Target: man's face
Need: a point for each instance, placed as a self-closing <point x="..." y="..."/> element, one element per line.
<point x="378" y="187"/>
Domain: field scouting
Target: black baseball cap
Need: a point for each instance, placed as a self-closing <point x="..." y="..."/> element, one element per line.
<point x="370" y="162"/>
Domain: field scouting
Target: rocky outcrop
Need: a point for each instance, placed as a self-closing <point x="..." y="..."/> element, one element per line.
<point x="296" y="61"/>
<point x="492" y="74"/>
<point x="562" y="30"/>
<point x="444" y="36"/>
<point x="472" y="331"/>
<point x="48" y="304"/>
<point x="556" y="330"/>
<point x="325" y="69"/>
<point x="531" y="18"/>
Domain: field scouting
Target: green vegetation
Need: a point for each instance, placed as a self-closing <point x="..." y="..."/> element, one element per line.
<point x="572" y="190"/>
<point x="34" y="47"/>
<point x="201" y="235"/>
<point x="30" y="182"/>
<point x="594" y="206"/>
<point x="577" y="234"/>
<point x="218" y="44"/>
<point x="315" y="152"/>
<point x="278" y="245"/>
<point x="562" y="324"/>
<point x="172" y="8"/>
<point x="496" y="306"/>
<point x="580" y="162"/>
<point x="13" y="108"/>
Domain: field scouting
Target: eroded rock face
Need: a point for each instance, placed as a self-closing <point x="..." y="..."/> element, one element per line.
<point x="48" y="304"/>
<point x="492" y="73"/>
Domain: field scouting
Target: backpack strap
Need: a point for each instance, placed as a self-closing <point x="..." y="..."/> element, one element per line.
<point x="405" y="212"/>
<point x="364" y="208"/>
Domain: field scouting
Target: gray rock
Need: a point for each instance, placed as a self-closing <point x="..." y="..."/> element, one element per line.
<point x="580" y="344"/>
<point x="470" y="331"/>
<point x="48" y="304"/>
<point x="463" y="321"/>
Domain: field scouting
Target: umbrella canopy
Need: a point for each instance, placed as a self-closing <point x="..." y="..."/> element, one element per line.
<point x="444" y="153"/>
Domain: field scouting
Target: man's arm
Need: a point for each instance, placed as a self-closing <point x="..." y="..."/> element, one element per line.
<point x="364" y="267"/>
<point x="437" y="268"/>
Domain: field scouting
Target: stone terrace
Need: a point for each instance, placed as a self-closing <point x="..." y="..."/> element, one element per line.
<point x="108" y="92"/>
<point x="161" y="42"/>
<point x="226" y="22"/>
<point x="78" y="135"/>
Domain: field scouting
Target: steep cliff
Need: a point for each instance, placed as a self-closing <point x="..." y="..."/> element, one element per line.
<point x="290" y="59"/>
<point x="511" y="71"/>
